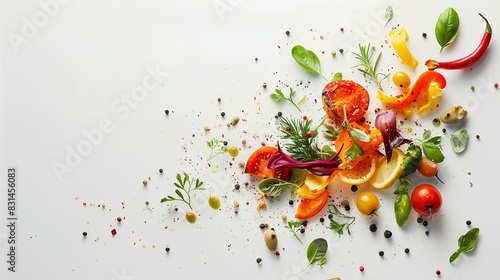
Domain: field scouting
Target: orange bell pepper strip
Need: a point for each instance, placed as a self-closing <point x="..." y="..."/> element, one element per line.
<point x="308" y="208"/>
<point x="421" y="86"/>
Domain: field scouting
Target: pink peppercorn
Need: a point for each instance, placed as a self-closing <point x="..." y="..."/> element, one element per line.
<point x="361" y="268"/>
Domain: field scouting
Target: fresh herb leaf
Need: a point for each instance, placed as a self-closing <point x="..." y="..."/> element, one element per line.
<point x="294" y="227"/>
<point x="466" y="243"/>
<point x="279" y="96"/>
<point x="276" y="187"/>
<point x="431" y="146"/>
<point x="337" y="76"/>
<point x="307" y="59"/>
<point x="389" y="13"/>
<point x="446" y="29"/>
<point x="365" y="56"/>
<point x="316" y="252"/>
<point x="402" y="203"/>
<point x="459" y="140"/>
<point x="355" y="149"/>
<point x="339" y="227"/>
<point x="302" y="144"/>
<point x="217" y="147"/>
<point x="186" y="185"/>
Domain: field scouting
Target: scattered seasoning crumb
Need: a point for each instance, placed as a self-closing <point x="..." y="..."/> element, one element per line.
<point x="259" y="260"/>
<point x="284" y="218"/>
<point x="206" y="128"/>
<point x="387" y="233"/>
<point x="468" y="222"/>
<point x="472" y="88"/>
<point x="361" y="268"/>
<point x="84" y="233"/>
<point x="424" y="35"/>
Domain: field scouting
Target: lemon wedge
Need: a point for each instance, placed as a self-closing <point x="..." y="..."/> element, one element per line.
<point x="361" y="173"/>
<point x="388" y="172"/>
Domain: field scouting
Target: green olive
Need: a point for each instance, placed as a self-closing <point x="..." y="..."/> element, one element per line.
<point x="214" y="202"/>
<point x="233" y="151"/>
<point x="190" y="217"/>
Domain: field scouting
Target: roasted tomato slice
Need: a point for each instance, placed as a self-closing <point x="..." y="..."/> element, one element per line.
<point x="345" y="93"/>
<point x="257" y="164"/>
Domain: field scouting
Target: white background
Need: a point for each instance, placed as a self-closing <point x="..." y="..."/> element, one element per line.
<point x="70" y="69"/>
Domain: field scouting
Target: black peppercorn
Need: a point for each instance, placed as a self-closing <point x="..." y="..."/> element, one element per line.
<point x="84" y="233"/>
<point x="373" y="227"/>
<point x="222" y="114"/>
<point x="167" y="112"/>
<point x="161" y="170"/>
<point x="387" y="234"/>
<point x="259" y="260"/>
<point x="407" y="250"/>
<point x="424" y="35"/>
<point x="420" y="220"/>
<point x="468" y="222"/>
<point x="354" y="188"/>
<point x="287" y="33"/>
<point x="167" y="249"/>
<point x="381" y="253"/>
<point x="290" y="202"/>
<point x="237" y="186"/>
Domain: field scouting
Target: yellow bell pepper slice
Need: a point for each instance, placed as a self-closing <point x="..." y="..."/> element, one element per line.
<point x="426" y="100"/>
<point x="398" y="39"/>
<point x="313" y="186"/>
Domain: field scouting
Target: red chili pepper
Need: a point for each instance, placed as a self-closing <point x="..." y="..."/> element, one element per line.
<point x="467" y="60"/>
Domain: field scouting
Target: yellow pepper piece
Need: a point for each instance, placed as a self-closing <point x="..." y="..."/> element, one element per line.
<point x="424" y="104"/>
<point x="398" y="40"/>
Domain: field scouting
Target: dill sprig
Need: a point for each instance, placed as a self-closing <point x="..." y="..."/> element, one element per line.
<point x="217" y="147"/>
<point x="365" y="57"/>
<point x="302" y="144"/>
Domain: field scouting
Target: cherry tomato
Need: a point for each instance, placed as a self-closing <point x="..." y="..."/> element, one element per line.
<point x="310" y="207"/>
<point x="426" y="199"/>
<point x="340" y="93"/>
<point x="257" y="164"/>
<point x="427" y="167"/>
<point x="367" y="203"/>
<point x="401" y="79"/>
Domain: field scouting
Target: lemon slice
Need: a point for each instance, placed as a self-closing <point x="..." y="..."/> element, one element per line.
<point x="361" y="173"/>
<point x="388" y="172"/>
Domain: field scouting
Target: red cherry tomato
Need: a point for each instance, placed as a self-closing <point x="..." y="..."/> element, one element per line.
<point x="427" y="167"/>
<point x="257" y="164"/>
<point x="345" y="93"/>
<point x="426" y="199"/>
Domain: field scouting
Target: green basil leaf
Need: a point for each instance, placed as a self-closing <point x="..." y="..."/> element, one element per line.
<point x="433" y="152"/>
<point x="337" y="76"/>
<point x="307" y="59"/>
<point x="427" y="134"/>
<point x="446" y="29"/>
<point x="317" y="250"/>
<point x="389" y="13"/>
<point x="459" y="140"/>
<point x="402" y="207"/>
<point x="467" y="242"/>
<point x="273" y="186"/>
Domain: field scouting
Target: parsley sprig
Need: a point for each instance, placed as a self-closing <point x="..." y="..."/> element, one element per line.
<point x="185" y="185"/>
<point x="365" y="56"/>
<point x="279" y="96"/>
<point x="294" y="227"/>
<point x="302" y="144"/>
<point x="339" y="227"/>
<point x="217" y="147"/>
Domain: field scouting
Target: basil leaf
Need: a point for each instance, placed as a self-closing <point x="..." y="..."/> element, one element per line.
<point x="273" y="186"/>
<point x="466" y="243"/>
<point x="317" y="250"/>
<point x="402" y="203"/>
<point x="427" y="134"/>
<point x="459" y="140"/>
<point x="307" y="59"/>
<point x="337" y="76"/>
<point x="389" y="13"/>
<point x="432" y="151"/>
<point x="446" y="29"/>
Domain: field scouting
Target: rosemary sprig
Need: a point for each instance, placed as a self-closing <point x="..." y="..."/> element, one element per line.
<point x="302" y="144"/>
<point x="217" y="147"/>
<point x="184" y="185"/>
<point x="365" y="57"/>
<point x="294" y="227"/>
<point x="339" y="227"/>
